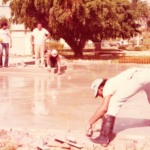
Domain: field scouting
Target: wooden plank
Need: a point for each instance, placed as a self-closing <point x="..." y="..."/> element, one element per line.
<point x="70" y="143"/>
<point x="58" y="145"/>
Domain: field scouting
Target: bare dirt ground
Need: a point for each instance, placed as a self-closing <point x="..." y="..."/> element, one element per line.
<point x="29" y="140"/>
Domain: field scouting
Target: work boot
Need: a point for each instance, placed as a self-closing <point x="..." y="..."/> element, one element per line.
<point x="106" y="130"/>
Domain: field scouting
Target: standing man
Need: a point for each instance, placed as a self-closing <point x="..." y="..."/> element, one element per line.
<point x="4" y="44"/>
<point x="38" y="39"/>
<point x="115" y="92"/>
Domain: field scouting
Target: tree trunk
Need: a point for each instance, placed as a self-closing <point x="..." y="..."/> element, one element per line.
<point x="97" y="46"/>
<point x="78" y="51"/>
<point x="76" y="47"/>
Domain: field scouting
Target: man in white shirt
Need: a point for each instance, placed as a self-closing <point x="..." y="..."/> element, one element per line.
<point x="115" y="92"/>
<point x="38" y="39"/>
<point x="5" y="37"/>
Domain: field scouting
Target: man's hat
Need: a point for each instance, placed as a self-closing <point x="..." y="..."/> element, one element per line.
<point x="95" y="85"/>
<point x="54" y="52"/>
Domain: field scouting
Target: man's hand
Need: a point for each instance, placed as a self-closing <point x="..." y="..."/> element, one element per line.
<point x="10" y="45"/>
<point x="49" y="68"/>
<point x="87" y="130"/>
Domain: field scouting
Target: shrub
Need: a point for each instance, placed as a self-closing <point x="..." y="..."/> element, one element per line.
<point x="122" y="47"/>
<point x="133" y="42"/>
<point x="146" y="43"/>
<point x="138" y="48"/>
<point x="54" y="45"/>
<point x="50" y="46"/>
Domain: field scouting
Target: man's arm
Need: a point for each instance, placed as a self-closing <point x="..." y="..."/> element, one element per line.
<point x="48" y="58"/>
<point x="48" y="36"/>
<point x="101" y="110"/>
<point x="10" y="41"/>
<point x="59" y="63"/>
<point x="31" y="39"/>
<point x="99" y="113"/>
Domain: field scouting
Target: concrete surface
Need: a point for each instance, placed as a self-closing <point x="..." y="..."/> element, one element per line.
<point x="32" y="70"/>
<point x="56" y="103"/>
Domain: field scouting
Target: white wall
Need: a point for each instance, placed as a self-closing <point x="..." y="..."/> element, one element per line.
<point x="5" y="11"/>
<point x="21" y="44"/>
<point x="62" y="41"/>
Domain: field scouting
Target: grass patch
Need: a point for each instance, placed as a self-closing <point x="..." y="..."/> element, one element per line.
<point x="88" y="56"/>
<point x="91" y="56"/>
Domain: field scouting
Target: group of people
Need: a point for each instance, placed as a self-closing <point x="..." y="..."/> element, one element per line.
<point x="114" y="91"/>
<point x="38" y="39"/>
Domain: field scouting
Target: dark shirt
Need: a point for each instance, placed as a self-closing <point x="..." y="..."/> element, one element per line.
<point x="53" y="60"/>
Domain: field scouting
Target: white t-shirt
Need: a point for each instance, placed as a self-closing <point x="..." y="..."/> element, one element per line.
<point x="113" y="84"/>
<point x="39" y="35"/>
<point x="4" y="35"/>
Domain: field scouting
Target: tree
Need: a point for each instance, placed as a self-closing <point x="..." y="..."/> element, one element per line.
<point x="143" y="12"/>
<point x="77" y="21"/>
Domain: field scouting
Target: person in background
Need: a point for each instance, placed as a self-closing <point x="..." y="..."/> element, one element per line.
<point x="38" y="39"/>
<point x="5" y="43"/>
<point x="53" y="60"/>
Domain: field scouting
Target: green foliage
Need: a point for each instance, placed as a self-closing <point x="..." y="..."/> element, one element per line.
<point x="142" y="9"/>
<point x="133" y="42"/>
<point x="146" y="43"/>
<point x="50" y="46"/>
<point x="122" y="47"/>
<point x="54" y="45"/>
<point x="3" y="19"/>
<point x="77" y="21"/>
<point x="138" y="48"/>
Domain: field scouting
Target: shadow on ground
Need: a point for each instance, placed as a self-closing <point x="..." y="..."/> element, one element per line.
<point x="123" y="124"/>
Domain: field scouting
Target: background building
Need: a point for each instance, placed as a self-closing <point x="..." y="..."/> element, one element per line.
<point x="20" y="40"/>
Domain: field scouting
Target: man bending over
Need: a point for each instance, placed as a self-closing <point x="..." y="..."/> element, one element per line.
<point x="115" y="92"/>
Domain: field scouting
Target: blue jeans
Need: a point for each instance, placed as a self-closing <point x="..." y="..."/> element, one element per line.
<point x="6" y="47"/>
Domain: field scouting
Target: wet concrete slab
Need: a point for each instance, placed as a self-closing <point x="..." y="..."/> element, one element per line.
<point x="66" y="102"/>
<point x="32" y="69"/>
